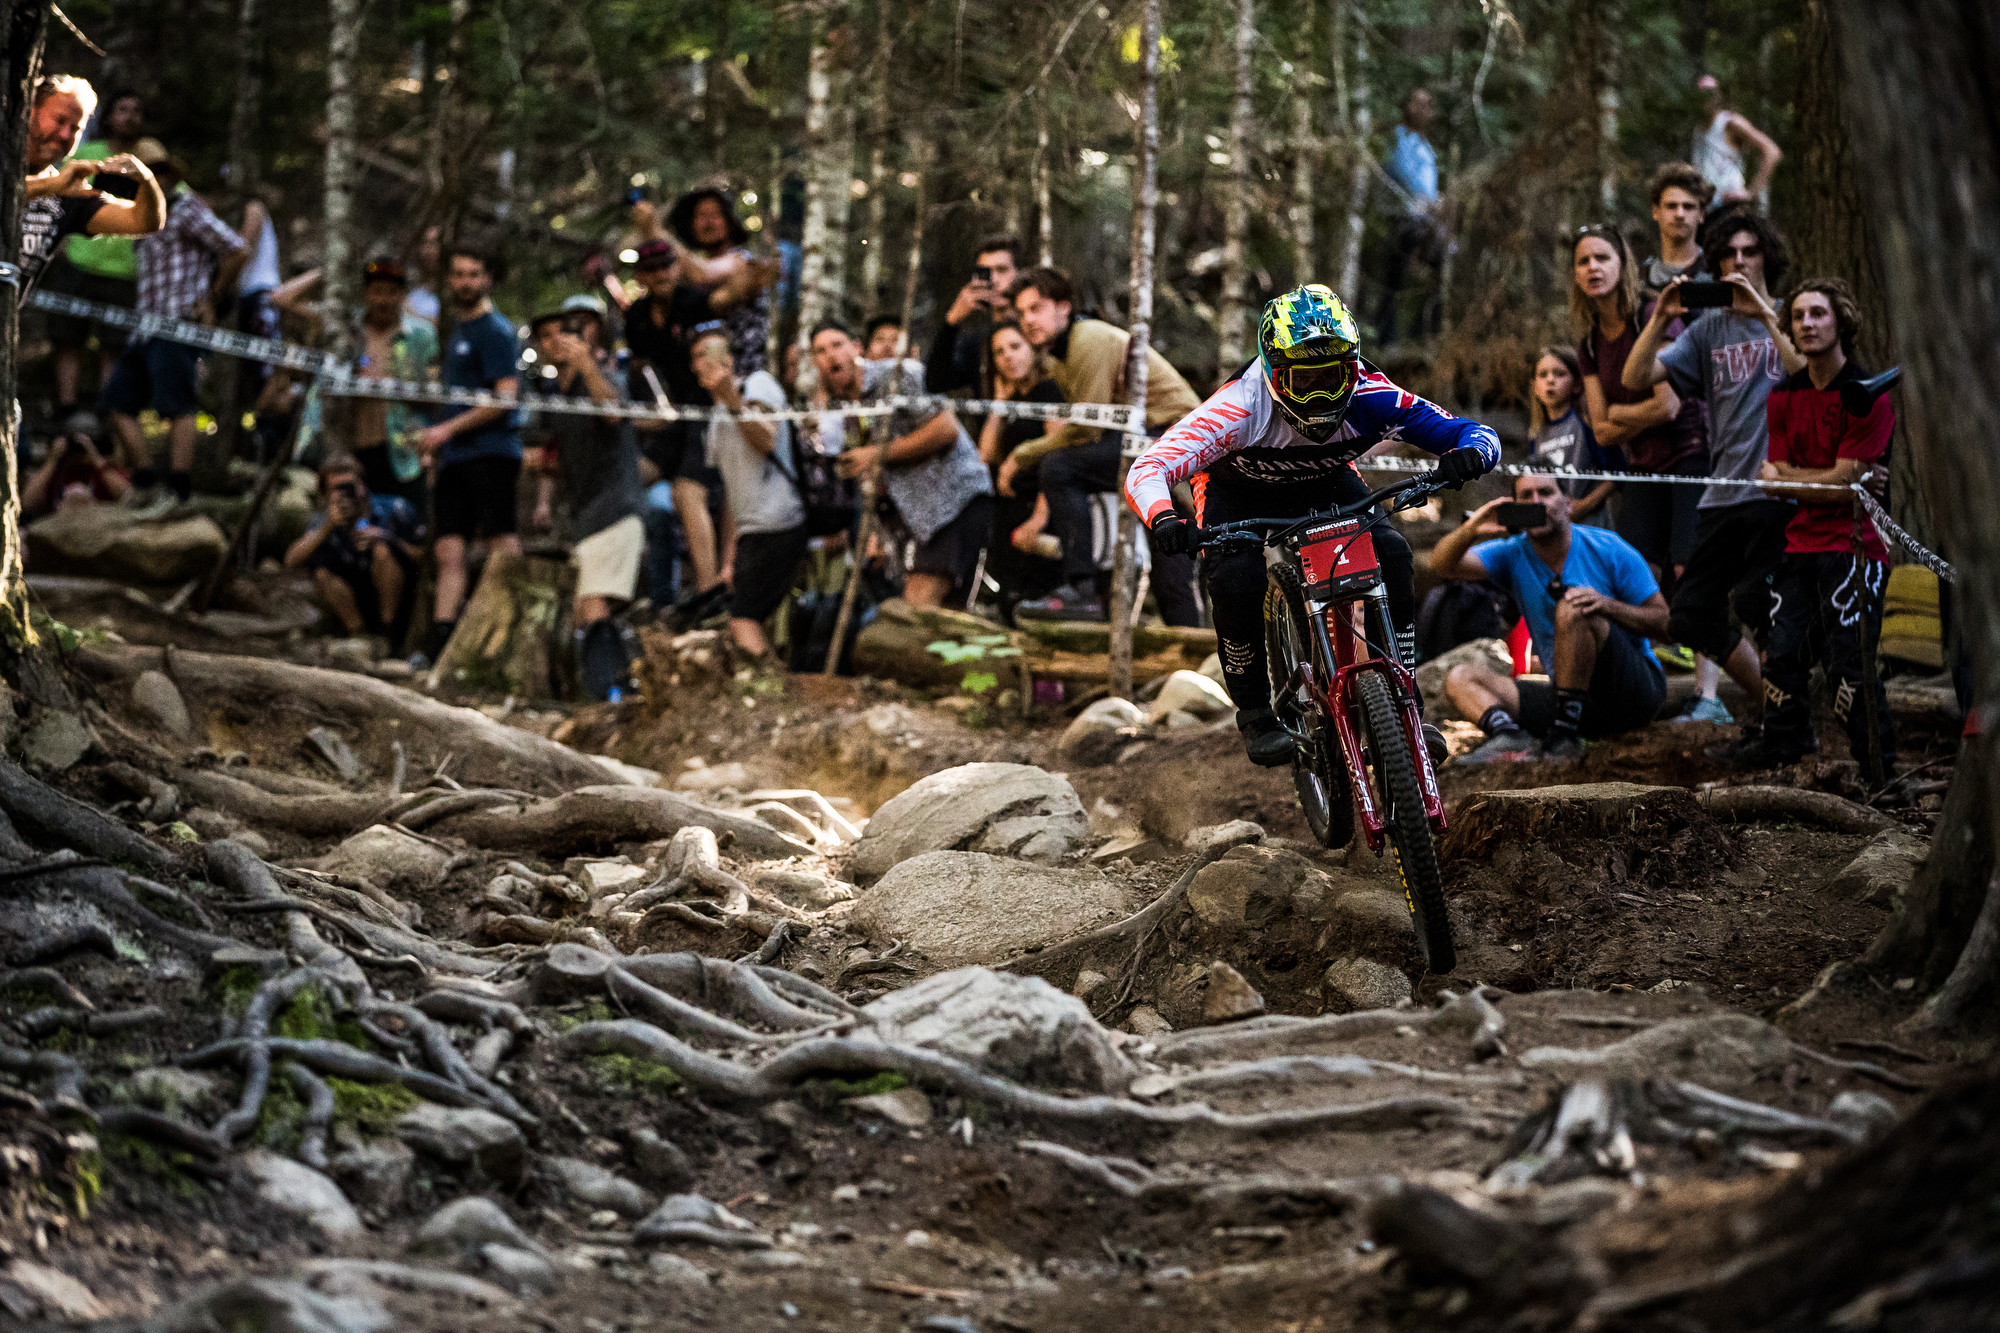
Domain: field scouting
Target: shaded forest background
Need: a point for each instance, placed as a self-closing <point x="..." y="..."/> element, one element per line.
<point x="525" y="122"/>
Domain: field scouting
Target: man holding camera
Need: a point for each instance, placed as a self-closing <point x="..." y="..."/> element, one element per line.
<point x="958" y="351"/>
<point x="361" y="550"/>
<point x="1591" y="606"/>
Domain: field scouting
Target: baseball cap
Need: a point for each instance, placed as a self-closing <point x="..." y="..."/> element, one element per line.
<point x="383" y="269"/>
<point x="655" y="255"/>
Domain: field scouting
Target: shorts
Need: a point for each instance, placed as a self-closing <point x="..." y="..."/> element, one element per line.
<point x="1626" y="691"/>
<point x="680" y="450"/>
<point x="338" y="557"/>
<point x="765" y="567"/>
<point x="953" y="550"/>
<point x="478" y="497"/>
<point x="1658" y="518"/>
<point x="607" y="561"/>
<point x="152" y="372"/>
<point x="75" y="330"/>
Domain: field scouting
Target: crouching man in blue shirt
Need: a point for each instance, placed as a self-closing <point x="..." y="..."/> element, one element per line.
<point x="1591" y="606"/>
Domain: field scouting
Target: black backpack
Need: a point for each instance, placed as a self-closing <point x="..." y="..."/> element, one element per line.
<point x="1458" y="612"/>
<point x="830" y="500"/>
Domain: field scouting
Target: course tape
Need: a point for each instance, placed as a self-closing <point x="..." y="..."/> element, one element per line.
<point x="340" y="379"/>
<point x="1892" y="532"/>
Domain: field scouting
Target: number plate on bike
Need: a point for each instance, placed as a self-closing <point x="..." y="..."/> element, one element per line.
<point x="1337" y="558"/>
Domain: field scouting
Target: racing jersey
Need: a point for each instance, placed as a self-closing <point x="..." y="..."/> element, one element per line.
<point x="1239" y="433"/>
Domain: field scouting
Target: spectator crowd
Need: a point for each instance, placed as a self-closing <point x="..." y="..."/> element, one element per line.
<point x="1697" y="361"/>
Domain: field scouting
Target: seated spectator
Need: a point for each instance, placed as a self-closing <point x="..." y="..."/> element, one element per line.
<point x="1017" y="373"/>
<point x="362" y="550"/>
<point x="883" y="338"/>
<point x="1591" y="605"/>
<point x="74" y="473"/>
<point x="1563" y="438"/>
<point x="937" y="488"/>
<point x="760" y="475"/>
<point x="596" y="460"/>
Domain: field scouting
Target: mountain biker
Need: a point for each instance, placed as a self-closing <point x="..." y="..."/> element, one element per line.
<point x="1279" y="441"/>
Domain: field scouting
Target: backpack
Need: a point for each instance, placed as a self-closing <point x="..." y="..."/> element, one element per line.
<point x="830" y="500"/>
<point x="1458" y="612"/>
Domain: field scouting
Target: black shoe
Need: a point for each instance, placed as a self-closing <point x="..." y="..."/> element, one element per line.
<point x="1563" y="747"/>
<point x="691" y="610"/>
<point x="1068" y="602"/>
<point x="1755" y="749"/>
<point x="1268" y="743"/>
<point x="1434" y="742"/>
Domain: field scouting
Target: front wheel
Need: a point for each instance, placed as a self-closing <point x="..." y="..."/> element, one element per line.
<point x="1402" y="804"/>
<point x="1318" y="776"/>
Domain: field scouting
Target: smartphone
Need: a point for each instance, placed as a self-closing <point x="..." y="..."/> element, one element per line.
<point x="634" y="195"/>
<point x="983" y="273"/>
<point x="1707" y="295"/>
<point x="1517" y="517"/>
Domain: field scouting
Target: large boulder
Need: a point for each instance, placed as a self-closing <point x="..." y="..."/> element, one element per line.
<point x="1721" y="1051"/>
<point x="1192" y="693"/>
<point x="297" y="1188"/>
<point x="968" y="907"/>
<point x="467" y="1136"/>
<point x="112" y="542"/>
<point x="1017" y="1027"/>
<point x="1014" y="810"/>
<point x="388" y="858"/>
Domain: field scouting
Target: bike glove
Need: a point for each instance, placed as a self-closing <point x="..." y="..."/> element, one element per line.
<point x="1458" y="466"/>
<point x="1172" y="534"/>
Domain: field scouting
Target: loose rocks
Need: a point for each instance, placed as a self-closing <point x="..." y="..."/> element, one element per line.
<point x="1230" y="997"/>
<point x="1880" y="874"/>
<point x="1020" y="1028"/>
<point x="159" y="699"/>
<point x="466" y="1136"/>
<point x="590" y="1184"/>
<point x="464" y="1225"/>
<point x="1099" y="731"/>
<point x="692" y="1218"/>
<point x="388" y="858"/>
<point x="967" y="907"/>
<point x="1720" y="1051"/>
<point x="1015" y="810"/>
<point x="1360" y="983"/>
<point x="297" y="1188"/>
<point x="1192" y="693"/>
<point x="375" y="1174"/>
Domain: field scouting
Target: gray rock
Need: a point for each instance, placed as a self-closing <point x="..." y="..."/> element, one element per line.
<point x="326" y="746"/>
<point x="1255" y="883"/>
<point x="908" y="1107"/>
<point x="588" y="1183"/>
<point x="297" y="1188"/>
<point x="53" y="1292"/>
<point x="388" y="858"/>
<point x="953" y="809"/>
<point x="1879" y="875"/>
<point x="1372" y="923"/>
<point x="675" y="1271"/>
<point x="968" y="907"/>
<point x="771" y="1260"/>
<point x="1190" y="692"/>
<point x="54" y="741"/>
<point x="269" y="1305"/>
<point x="466" y="1136"/>
<point x="1136" y="847"/>
<point x="1103" y="725"/>
<point x="1229" y="997"/>
<point x="1574" y="1200"/>
<point x="659" y="1162"/>
<point x="159" y="699"/>
<point x="375" y="1174"/>
<point x="1720" y="1051"/>
<point x="464" y="1225"/>
<point x="166" y="1088"/>
<point x="1236" y="833"/>
<point x="694" y="1219"/>
<point x="1871" y="1113"/>
<point x="1145" y="1021"/>
<point x="519" y="1271"/>
<point x="113" y="542"/>
<point x="1020" y="1028"/>
<point x="1363" y="983"/>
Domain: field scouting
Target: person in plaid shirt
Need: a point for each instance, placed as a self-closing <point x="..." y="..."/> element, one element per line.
<point x="185" y="267"/>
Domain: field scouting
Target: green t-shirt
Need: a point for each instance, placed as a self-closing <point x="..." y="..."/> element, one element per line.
<point x="106" y="256"/>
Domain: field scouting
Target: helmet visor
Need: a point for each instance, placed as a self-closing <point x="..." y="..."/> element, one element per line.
<point x="1326" y="384"/>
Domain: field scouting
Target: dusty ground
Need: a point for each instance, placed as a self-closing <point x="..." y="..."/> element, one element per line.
<point x="953" y="1223"/>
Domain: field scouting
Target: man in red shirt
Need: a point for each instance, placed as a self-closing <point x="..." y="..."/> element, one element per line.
<point x="1827" y="593"/>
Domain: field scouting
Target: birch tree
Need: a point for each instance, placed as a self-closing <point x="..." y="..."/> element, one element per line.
<point x="249" y="87"/>
<point x="1232" y="309"/>
<point x="1359" y="122"/>
<point x="1045" y="227"/>
<point x="1305" y="147"/>
<point x="878" y="163"/>
<point x="343" y="43"/>
<point x="829" y="168"/>
<point x="1145" y="207"/>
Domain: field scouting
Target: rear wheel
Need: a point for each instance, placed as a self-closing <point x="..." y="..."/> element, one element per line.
<point x="1317" y="775"/>
<point x="1409" y="832"/>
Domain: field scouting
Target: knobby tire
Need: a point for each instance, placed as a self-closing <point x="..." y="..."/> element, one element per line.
<point x="1409" y="832"/>
<point x="1318" y="778"/>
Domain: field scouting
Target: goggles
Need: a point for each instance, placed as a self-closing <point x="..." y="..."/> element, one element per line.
<point x="1333" y="381"/>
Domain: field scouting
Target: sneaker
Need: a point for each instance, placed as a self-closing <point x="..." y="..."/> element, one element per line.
<point x="1699" y="709"/>
<point x="1266" y="741"/>
<point x="1505" y="748"/>
<point x="1674" y="657"/>
<point x="1754" y="749"/>
<point x="1069" y="603"/>
<point x="418" y="661"/>
<point x="1434" y="742"/>
<point x="1564" y="749"/>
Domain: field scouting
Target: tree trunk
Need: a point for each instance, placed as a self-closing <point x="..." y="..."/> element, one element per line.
<point x="513" y="636"/>
<point x="1925" y="115"/>
<point x="920" y="166"/>
<point x="342" y="285"/>
<point x="1232" y="309"/>
<point x="878" y="165"/>
<point x="821" y="247"/>
<point x="1045" y="227"/>
<point x="1606" y="36"/>
<point x="1145" y="209"/>
<point x="26" y="28"/>
<point x="1305" y="148"/>
<point x="1357" y="129"/>
<point x="243" y="167"/>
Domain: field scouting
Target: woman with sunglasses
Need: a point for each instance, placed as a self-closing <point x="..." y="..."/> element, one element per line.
<point x="1280" y="441"/>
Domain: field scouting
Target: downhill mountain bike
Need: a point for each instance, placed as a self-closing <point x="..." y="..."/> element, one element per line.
<point x="1353" y="719"/>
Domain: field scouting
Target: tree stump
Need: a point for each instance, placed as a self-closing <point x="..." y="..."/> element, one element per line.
<point x="513" y="635"/>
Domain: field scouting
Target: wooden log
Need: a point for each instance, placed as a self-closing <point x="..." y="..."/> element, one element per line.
<point x="895" y="646"/>
<point x="1071" y="636"/>
<point x="514" y="631"/>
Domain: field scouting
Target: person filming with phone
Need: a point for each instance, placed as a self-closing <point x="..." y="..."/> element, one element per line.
<point x="363" y="551"/>
<point x="1591" y="606"/>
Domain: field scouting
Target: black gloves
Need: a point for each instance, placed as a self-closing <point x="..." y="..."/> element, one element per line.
<point x="1458" y="466"/>
<point x="1172" y="533"/>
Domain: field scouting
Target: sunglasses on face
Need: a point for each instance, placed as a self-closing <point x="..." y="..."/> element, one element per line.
<point x="1331" y="380"/>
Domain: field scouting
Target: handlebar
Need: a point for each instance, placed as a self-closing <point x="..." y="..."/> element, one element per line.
<point x="1266" y="530"/>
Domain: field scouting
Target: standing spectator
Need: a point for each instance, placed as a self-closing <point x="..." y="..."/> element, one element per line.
<point x="1563" y="438"/>
<point x="715" y="250"/>
<point x="1419" y="234"/>
<point x="937" y="488"/>
<point x="957" y="351"/>
<point x="882" y="338"/>
<point x="423" y="298"/>
<point x="1087" y="360"/>
<point x="1731" y="359"/>
<point x="476" y="452"/>
<point x="97" y="268"/>
<point x="60" y="199"/>
<point x="1827" y="595"/>
<point x="1719" y="146"/>
<point x="760" y="475"/>
<point x="363" y="551"/>
<point x="187" y="270"/>
<point x="1017" y="373"/>
<point x="255" y="313"/>
<point x="597" y="460"/>
<point x="1680" y="198"/>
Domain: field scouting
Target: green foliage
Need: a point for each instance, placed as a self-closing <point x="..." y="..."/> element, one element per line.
<point x="142" y="1157"/>
<point x="86" y="1181"/>
<point x="978" y="682"/>
<point x="634" y="1073"/>
<point x="181" y="831"/>
<point x="237" y="986"/>
<point x="47" y="626"/>
<point x="281" y="1120"/>
<point x="594" y="1010"/>
<point x="372" y="1108"/>
<point x="882" y="1080"/>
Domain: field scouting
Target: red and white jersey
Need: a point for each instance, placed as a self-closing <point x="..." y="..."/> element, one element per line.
<point x="1239" y="432"/>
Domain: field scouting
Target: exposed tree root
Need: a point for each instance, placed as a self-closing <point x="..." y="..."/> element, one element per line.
<point x="65" y="1075"/>
<point x="48" y="977"/>
<point x="71" y="823"/>
<point x="40" y="1023"/>
<point x="1133" y="1180"/>
<point x="1059" y="964"/>
<point x="1281" y="1034"/>
<point x="409" y="1277"/>
<point x="104" y="887"/>
<point x="341" y="1061"/>
<point x="435" y="1042"/>
<point x="1307" y="1069"/>
<point x="319" y="1113"/>
<point x="596" y="818"/>
<point x="332" y="815"/>
<point x="88" y="935"/>
<point x="1820" y="807"/>
<point x="142" y="1123"/>
<point x="257" y="1058"/>
<point x="571" y="970"/>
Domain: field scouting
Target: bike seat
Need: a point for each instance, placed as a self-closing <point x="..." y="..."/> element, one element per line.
<point x="1858" y="396"/>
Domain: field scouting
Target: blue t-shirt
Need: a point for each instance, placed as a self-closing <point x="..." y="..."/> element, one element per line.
<point x="481" y="354"/>
<point x="1413" y="164"/>
<point x="1598" y="559"/>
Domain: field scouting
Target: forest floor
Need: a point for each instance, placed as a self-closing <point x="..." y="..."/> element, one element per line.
<point x="1639" y="956"/>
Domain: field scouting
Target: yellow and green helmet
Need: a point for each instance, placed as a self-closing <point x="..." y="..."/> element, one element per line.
<point x="1311" y="348"/>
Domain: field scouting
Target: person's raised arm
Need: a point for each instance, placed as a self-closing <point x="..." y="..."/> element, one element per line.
<point x="742" y="284"/>
<point x="139" y="216"/>
<point x="1751" y="304"/>
<point x="1642" y="365"/>
<point x="35" y="494"/>
<point x="1451" y="558"/>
